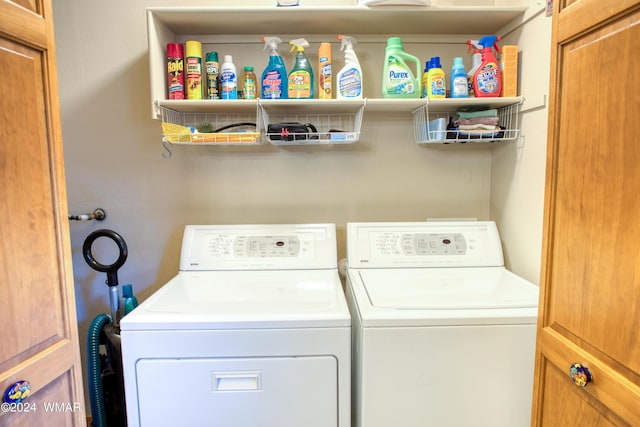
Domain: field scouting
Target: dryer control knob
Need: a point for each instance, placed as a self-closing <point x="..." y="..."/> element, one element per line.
<point x="580" y="375"/>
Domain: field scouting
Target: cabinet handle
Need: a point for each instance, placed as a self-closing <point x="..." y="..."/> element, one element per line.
<point x="580" y="375"/>
<point x="16" y="392"/>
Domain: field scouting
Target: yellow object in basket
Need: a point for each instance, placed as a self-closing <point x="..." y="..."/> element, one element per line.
<point x="183" y="134"/>
<point x="176" y="133"/>
<point x="226" y="137"/>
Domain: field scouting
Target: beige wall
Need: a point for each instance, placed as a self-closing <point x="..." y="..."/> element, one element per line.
<point x="517" y="170"/>
<point x="113" y="156"/>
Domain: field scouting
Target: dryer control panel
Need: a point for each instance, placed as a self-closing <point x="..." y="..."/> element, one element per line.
<point x="258" y="247"/>
<point x="424" y="244"/>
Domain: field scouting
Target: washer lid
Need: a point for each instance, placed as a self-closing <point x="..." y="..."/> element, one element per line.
<point x="244" y="299"/>
<point x="447" y="289"/>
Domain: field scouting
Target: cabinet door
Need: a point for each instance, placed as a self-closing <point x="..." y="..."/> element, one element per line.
<point x="38" y="325"/>
<point x="591" y="263"/>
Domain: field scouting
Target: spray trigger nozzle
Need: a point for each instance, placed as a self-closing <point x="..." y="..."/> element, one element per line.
<point x="487" y="42"/>
<point x="347" y="42"/>
<point x="474" y="45"/>
<point x="271" y="42"/>
<point x="298" y="44"/>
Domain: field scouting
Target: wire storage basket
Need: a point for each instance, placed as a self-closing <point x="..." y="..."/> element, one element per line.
<point x="484" y="125"/>
<point x="210" y="128"/>
<point x="331" y="123"/>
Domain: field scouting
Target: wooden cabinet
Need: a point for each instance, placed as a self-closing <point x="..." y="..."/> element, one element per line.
<point x="590" y="290"/>
<point x="37" y="306"/>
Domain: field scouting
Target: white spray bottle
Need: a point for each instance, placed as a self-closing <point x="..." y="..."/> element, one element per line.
<point x="349" y="78"/>
<point x="476" y="61"/>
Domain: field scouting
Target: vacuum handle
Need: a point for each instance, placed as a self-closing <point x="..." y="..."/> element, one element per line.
<point x="111" y="269"/>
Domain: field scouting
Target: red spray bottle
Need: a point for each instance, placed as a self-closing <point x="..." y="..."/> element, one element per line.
<point x="487" y="80"/>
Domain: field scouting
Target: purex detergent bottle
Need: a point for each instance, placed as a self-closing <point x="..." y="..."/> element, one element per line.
<point x="487" y="80"/>
<point x="398" y="77"/>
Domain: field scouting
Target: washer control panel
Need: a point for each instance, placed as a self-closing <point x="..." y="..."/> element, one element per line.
<point x="420" y="244"/>
<point x="258" y="247"/>
<point x="425" y="244"/>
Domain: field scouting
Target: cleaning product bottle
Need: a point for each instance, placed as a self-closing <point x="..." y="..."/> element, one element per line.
<point x="324" y="71"/>
<point x="300" y="82"/>
<point x="487" y="80"/>
<point x="129" y="301"/>
<point x="274" y="76"/>
<point x="436" y="80"/>
<point x="425" y="78"/>
<point x="509" y="67"/>
<point x="476" y="61"/>
<point x="229" y="79"/>
<point x="194" y="69"/>
<point x="175" y="70"/>
<point x="349" y="78"/>
<point x="249" y="89"/>
<point x="212" y="67"/>
<point x="458" y="80"/>
<point x="398" y="79"/>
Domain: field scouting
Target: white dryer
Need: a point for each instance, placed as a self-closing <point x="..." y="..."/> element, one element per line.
<point x="253" y="331"/>
<point x="443" y="334"/>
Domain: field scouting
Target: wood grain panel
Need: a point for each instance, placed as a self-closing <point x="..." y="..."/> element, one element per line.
<point x="597" y="232"/>
<point x="565" y="406"/>
<point x="591" y="242"/>
<point x="37" y="321"/>
<point x="27" y="237"/>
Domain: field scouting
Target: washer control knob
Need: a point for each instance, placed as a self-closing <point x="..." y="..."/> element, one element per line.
<point x="580" y="375"/>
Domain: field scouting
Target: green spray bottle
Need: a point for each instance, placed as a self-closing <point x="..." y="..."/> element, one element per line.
<point x="301" y="82"/>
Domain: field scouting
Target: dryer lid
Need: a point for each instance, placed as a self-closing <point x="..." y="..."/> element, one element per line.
<point x="447" y="289"/>
<point x="244" y="299"/>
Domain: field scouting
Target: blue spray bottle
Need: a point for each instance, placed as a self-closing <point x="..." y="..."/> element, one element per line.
<point x="274" y="77"/>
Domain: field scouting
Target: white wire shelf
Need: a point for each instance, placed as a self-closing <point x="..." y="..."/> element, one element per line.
<point x="239" y="127"/>
<point x="434" y="126"/>
<point x="326" y="123"/>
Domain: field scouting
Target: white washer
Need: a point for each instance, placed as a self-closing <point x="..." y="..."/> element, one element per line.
<point x="443" y="334"/>
<point x="253" y="331"/>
